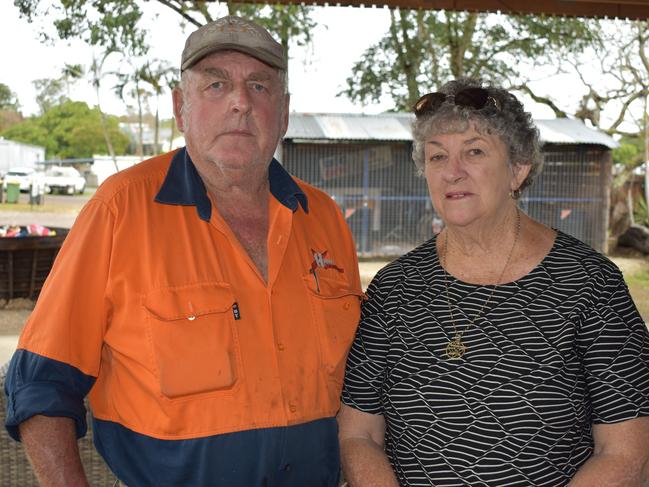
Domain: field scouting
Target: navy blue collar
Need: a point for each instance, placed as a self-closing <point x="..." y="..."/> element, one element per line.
<point x="184" y="186"/>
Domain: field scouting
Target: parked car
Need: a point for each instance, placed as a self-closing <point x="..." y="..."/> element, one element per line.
<point x="65" y="180"/>
<point x="21" y="176"/>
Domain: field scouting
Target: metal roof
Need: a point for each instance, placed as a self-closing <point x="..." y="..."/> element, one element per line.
<point x="396" y="127"/>
<point x="571" y="131"/>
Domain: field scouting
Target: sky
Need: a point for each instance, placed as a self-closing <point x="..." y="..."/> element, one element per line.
<point x="316" y="74"/>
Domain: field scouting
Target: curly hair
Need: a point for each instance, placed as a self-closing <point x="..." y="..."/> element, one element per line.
<point x="505" y="118"/>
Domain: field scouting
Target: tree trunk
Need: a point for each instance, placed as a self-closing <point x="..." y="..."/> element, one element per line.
<point x="156" y="133"/>
<point x="646" y="151"/>
<point x="406" y="56"/>
<point x="140" y="121"/>
<point x="104" y="124"/>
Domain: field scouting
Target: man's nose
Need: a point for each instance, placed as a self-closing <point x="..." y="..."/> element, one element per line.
<point x="240" y="99"/>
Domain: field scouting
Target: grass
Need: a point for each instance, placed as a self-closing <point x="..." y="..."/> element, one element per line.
<point x="638" y="283"/>
<point x="64" y="204"/>
<point x="635" y="268"/>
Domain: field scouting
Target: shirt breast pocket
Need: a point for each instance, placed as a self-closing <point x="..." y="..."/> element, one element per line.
<point x="194" y="337"/>
<point x="336" y="310"/>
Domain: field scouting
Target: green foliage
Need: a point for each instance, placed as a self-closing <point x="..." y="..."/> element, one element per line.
<point x="628" y="156"/>
<point x="286" y="22"/>
<point x="629" y="153"/>
<point x="69" y="130"/>
<point x="112" y="24"/>
<point x="424" y="49"/>
<point x="641" y="212"/>
<point x="8" y="99"/>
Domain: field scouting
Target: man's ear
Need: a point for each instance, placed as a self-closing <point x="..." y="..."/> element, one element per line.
<point x="286" y="109"/>
<point x="178" y="102"/>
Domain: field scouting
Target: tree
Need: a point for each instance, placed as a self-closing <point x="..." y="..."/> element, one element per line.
<point x="114" y="24"/>
<point x="159" y="76"/>
<point x="69" y="130"/>
<point x="9" y="118"/>
<point x="423" y="49"/>
<point x="111" y="24"/>
<point x="49" y="93"/>
<point x="8" y="99"/>
<point x="615" y="99"/>
<point x="289" y="23"/>
<point x="9" y="108"/>
<point x="129" y="85"/>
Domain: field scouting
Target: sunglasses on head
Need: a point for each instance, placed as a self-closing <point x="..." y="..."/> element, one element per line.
<point x="476" y="98"/>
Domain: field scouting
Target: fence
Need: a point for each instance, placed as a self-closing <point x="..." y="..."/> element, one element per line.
<point x="388" y="208"/>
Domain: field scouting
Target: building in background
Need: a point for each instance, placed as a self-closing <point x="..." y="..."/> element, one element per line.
<point x="18" y="154"/>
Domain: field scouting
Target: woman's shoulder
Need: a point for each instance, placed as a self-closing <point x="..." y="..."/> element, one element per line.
<point x="569" y="251"/>
<point x="411" y="267"/>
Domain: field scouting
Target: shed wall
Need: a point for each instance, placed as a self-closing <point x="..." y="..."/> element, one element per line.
<point x="388" y="208"/>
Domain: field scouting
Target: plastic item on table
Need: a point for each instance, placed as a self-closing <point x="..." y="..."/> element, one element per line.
<point x="38" y="230"/>
<point x="31" y="230"/>
<point x="16" y="231"/>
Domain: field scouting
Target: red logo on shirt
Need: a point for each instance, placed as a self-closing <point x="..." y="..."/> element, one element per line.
<point x="321" y="261"/>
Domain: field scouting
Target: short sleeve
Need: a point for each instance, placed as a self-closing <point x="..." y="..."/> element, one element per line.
<point x="614" y="344"/>
<point x="366" y="363"/>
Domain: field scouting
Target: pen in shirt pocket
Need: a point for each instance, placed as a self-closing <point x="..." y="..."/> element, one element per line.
<point x="315" y="278"/>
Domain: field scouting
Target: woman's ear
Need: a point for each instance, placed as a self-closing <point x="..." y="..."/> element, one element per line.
<point x="520" y="172"/>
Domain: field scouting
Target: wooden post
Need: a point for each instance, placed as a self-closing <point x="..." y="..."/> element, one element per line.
<point x="606" y="180"/>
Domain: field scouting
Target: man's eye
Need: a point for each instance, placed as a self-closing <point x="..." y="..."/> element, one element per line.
<point x="217" y="85"/>
<point x="258" y="87"/>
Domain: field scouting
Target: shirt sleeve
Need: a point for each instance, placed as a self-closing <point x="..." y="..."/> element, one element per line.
<point x="59" y="350"/>
<point x="614" y="344"/>
<point x="366" y="363"/>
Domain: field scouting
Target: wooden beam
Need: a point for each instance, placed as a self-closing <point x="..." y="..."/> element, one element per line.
<point x="615" y="9"/>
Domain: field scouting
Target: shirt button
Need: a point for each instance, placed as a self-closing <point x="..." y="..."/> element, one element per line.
<point x="287" y="467"/>
<point x="280" y="347"/>
<point x="292" y="407"/>
<point x="346" y="306"/>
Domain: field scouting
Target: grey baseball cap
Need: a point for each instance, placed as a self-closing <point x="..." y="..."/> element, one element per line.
<point x="234" y="33"/>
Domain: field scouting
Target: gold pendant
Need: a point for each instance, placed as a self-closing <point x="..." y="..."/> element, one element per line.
<point x="455" y="348"/>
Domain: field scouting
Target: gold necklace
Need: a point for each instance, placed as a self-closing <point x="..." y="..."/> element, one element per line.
<point x="455" y="348"/>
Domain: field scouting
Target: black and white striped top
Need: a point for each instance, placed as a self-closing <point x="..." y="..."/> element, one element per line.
<point x="554" y="352"/>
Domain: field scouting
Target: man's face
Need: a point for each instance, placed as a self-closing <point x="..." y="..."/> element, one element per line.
<point x="232" y="110"/>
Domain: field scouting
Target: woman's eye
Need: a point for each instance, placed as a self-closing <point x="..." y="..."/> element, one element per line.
<point x="476" y="151"/>
<point x="437" y="157"/>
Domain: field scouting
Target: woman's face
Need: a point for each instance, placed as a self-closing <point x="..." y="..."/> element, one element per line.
<point x="469" y="176"/>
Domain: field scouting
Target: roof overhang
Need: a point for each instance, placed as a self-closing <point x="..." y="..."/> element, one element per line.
<point x="620" y="9"/>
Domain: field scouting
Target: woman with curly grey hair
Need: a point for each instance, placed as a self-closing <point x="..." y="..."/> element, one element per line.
<point x="501" y="351"/>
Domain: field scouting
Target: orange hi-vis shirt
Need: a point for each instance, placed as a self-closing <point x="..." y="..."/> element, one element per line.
<point x="153" y="298"/>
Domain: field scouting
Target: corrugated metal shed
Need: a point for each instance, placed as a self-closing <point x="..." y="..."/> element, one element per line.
<point x="570" y="131"/>
<point x="396" y="126"/>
